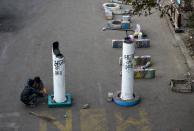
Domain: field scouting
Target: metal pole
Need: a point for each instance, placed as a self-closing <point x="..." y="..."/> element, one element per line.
<point x="58" y="74"/>
<point x="127" y="70"/>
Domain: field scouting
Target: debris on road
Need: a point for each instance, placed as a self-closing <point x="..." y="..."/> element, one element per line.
<point x="182" y="86"/>
<point x="110" y="96"/>
<point x="65" y="116"/>
<point x="85" y="106"/>
<point x="42" y="116"/>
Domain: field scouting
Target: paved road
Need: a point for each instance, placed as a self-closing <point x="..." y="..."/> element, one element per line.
<point x="27" y="30"/>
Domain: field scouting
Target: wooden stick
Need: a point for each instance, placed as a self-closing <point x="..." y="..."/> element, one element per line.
<point x="47" y="118"/>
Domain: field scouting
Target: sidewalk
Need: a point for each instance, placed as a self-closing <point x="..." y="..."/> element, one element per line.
<point x="181" y="44"/>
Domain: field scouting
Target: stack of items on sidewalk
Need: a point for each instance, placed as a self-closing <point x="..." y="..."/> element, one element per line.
<point x="113" y="12"/>
<point x="119" y="17"/>
<point x="182" y="85"/>
<point x="140" y="38"/>
<point x="176" y="15"/>
<point x="141" y="67"/>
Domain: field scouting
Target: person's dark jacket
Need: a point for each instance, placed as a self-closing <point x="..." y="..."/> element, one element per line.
<point x="28" y="92"/>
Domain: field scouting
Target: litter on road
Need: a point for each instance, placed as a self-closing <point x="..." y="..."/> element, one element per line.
<point x="182" y="85"/>
<point x="42" y="116"/>
<point x="85" y="106"/>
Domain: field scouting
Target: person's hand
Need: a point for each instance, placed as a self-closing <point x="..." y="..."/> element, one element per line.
<point x="45" y="91"/>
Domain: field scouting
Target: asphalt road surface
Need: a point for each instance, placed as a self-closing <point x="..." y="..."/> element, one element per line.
<point x="27" y="30"/>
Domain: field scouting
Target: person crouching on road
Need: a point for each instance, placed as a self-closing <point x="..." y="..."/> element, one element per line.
<point x="33" y="91"/>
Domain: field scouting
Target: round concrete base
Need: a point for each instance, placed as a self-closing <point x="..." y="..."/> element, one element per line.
<point x="52" y="103"/>
<point x="125" y="103"/>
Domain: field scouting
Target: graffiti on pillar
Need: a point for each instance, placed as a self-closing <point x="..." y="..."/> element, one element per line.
<point x="128" y="61"/>
<point x="58" y="72"/>
<point x="57" y="65"/>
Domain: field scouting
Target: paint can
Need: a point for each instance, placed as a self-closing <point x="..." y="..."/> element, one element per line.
<point x="126" y="18"/>
<point x="145" y="59"/>
<point x="117" y="43"/>
<point x="142" y="60"/>
<point x="125" y="25"/>
<point x="145" y="43"/>
<point x="150" y="73"/>
<point x="137" y="44"/>
<point x="148" y="58"/>
<point x="137" y="60"/>
<point x="138" y="73"/>
<point x="142" y="43"/>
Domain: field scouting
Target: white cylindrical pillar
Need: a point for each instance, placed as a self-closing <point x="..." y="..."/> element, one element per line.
<point x="58" y="74"/>
<point x="127" y="70"/>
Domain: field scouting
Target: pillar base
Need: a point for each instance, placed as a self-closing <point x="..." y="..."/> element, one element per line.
<point x="52" y="103"/>
<point x="125" y="103"/>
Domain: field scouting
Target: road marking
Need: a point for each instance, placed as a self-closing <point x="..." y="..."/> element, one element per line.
<point x="43" y="125"/>
<point x="142" y="122"/>
<point x="59" y="125"/>
<point x="62" y="126"/>
<point x="93" y="120"/>
<point x="68" y="120"/>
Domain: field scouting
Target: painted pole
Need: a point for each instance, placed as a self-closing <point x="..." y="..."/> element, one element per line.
<point x="58" y="74"/>
<point x="127" y="82"/>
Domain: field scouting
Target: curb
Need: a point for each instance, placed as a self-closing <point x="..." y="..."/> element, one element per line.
<point x="179" y="41"/>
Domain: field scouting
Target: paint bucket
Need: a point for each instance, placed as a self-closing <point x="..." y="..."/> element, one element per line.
<point x="148" y="58"/>
<point x="137" y="44"/>
<point x="137" y="60"/>
<point x="108" y="14"/>
<point x="145" y="43"/>
<point x="142" y="60"/>
<point x="145" y="59"/>
<point x="150" y="73"/>
<point x="125" y="25"/>
<point x="148" y="64"/>
<point x="117" y="43"/>
<point x="126" y="18"/>
<point x="138" y="73"/>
